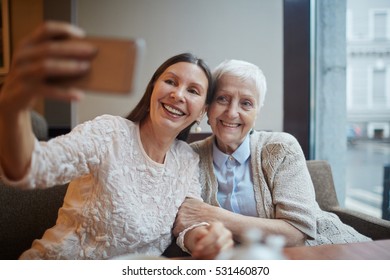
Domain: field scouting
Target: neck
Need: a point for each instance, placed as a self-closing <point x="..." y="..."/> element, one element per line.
<point x="226" y="148"/>
<point x="155" y="143"/>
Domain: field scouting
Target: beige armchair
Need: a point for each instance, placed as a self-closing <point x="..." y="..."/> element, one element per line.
<point x="321" y="174"/>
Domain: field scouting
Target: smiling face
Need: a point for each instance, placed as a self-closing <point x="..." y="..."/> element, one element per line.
<point x="178" y="97"/>
<point x="232" y="113"/>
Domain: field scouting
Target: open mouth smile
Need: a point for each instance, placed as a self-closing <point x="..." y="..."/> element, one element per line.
<point x="173" y="111"/>
<point x="231" y="125"/>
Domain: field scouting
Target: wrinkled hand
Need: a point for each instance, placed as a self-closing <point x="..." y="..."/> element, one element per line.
<point x="206" y="242"/>
<point x="45" y="54"/>
<point x="192" y="211"/>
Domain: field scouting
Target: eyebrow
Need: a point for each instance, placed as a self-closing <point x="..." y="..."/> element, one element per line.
<point x="249" y="96"/>
<point x="192" y="83"/>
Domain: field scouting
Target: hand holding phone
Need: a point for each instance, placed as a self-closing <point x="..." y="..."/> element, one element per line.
<point x="114" y="69"/>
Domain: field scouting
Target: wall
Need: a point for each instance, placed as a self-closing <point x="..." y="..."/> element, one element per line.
<point x="58" y="113"/>
<point x="214" y="30"/>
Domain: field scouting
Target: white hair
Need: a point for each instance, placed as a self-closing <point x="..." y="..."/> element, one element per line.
<point x="245" y="71"/>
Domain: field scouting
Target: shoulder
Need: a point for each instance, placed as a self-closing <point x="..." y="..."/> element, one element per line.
<point x="273" y="137"/>
<point x="112" y="119"/>
<point x="183" y="150"/>
<point x="275" y="142"/>
<point x="106" y="123"/>
<point x="267" y="138"/>
<point x="202" y="145"/>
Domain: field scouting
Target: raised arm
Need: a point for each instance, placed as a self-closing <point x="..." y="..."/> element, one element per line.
<point x="43" y="54"/>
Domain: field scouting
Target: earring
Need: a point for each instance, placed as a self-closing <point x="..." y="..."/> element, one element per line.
<point x="198" y="128"/>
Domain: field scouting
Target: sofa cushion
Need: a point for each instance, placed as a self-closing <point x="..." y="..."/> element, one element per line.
<point x="25" y="215"/>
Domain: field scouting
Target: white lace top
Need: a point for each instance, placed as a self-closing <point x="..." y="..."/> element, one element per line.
<point x="120" y="201"/>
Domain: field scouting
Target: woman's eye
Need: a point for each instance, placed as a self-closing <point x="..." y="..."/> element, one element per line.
<point x="247" y="104"/>
<point x="170" y="82"/>
<point x="222" y="100"/>
<point x="193" y="91"/>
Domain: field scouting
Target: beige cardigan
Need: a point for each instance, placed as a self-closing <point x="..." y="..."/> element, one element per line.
<point x="282" y="186"/>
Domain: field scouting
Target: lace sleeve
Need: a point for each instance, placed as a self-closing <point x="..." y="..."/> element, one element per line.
<point x="69" y="156"/>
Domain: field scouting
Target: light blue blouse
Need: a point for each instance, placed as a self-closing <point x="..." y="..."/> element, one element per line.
<point x="235" y="185"/>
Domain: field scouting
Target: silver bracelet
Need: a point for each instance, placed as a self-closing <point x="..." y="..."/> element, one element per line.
<point x="180" y="238"/>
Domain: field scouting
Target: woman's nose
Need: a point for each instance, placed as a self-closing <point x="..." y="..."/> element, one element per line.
<point x="232" y="111"/>
<point x="178" y="94"/>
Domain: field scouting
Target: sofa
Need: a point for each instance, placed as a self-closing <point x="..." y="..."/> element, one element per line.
<point x="25" y="215"/>
<point x="321" y="175"/>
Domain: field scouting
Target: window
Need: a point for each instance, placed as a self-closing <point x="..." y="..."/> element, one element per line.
<point x="379" y="88"/>
<point x="380" y="25"/>
<point x="358" y="88"/>
<point x="368" y="104"/>
<point x="362" y="119"/>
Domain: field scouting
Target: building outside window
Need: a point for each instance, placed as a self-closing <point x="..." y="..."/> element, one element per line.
<point x="368" y="103"/>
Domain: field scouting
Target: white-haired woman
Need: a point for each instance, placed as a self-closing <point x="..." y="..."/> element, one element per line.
<point x="256" y="178"/>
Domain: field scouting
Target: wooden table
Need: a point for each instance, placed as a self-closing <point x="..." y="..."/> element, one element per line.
<point x="372" y="250"/>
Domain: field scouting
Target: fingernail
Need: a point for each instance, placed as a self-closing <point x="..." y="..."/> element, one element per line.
<point x="77" y="95"/>
<point x="84" y="65"/>
<point x="77" y="30"/>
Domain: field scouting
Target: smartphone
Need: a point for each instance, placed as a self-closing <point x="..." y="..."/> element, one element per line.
<point x="114" y="69"/>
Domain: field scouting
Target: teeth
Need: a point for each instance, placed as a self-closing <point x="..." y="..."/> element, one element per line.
<point x="230" y="124"/>
<point x="173" y="110"/>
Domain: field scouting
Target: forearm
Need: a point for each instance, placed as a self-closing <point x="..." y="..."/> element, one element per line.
<point x="16" y="143"/>
<point x="238" y="224"/>
<point x="193" y="211"/>
<point x="38" y="57"/>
